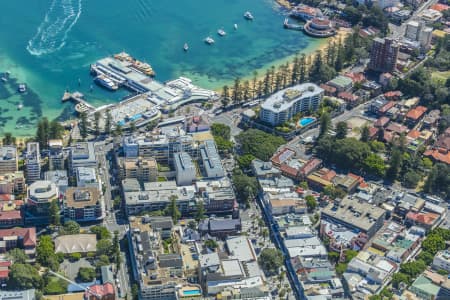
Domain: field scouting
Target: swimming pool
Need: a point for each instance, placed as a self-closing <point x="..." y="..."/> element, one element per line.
<point x="191" y="293"/>
<point x="306" y="121"/>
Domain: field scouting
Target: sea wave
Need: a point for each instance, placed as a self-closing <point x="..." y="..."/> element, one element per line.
<point x="52" y="33"/>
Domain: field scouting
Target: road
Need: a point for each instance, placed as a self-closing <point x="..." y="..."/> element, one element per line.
<point x="113" y="220"/>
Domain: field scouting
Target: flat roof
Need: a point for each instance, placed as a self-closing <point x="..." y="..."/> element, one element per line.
<point x="282" y="100"/>
<point x="359" y="214"/>
<point x="81" y="197"/>
<point x="241" y="248"/>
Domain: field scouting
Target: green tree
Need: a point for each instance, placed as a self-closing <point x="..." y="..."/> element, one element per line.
<point x="225" y="96"/>
<point x="222" y="130"/>
<point x="97" y="123"/>
<point x="118" y="130"/>
<point x="116" y="249"/>
<point x="8" y="139"/>
<point x="245" y="161"/>
<point x="374" y="164"/>
<point x="411" y="179"/>
<point x="211" y="244"/>
<point x="101" y="232"/>
<point x="71" y="227"/>
<point x="426" y="256"/>
<point x="24" y="276"/>
<point x="56" y="130"/>
<point x="325" y="124"/>
<point x="55" y="286"/>
<point x="333" y="256"/>
<point x="246" y="186"/>
<point x="172" y="209"/>
<point x="42" y="133"/>
<point x="103" y="260"/>
<point x="86" y="274"/>
<point x="341" y="130"/>
<point x="104" y="247"/>
<point x="237" y="91"/>
<point x="252" y="139"/>
<point x="365" y="135"/>
<point x="413" y="268"/>
<point x="83" y="125"/>
<point x="271" y="260"/>
<point x="394" y="165"/>
<point x="55" y="217"/>
<point x="132" y="126"/>
<point x="399" y="277"/>
<point x="75" y="256"/>
<point x="46" y="253"/>
<point x="108" y="122"/>
<point x="254" y="83"/>
<point x="433" y="243"/>
<point x="311" y="202"/>
<point x="200" y="214"/>
<point x="18" y="256"/>
<point x="341" y="268"/>
<point x="303" y="73"/>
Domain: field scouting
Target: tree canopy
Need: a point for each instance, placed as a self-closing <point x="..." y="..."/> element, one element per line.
<point x="259" y="144"/>
<point x="24" y="276"/>
<point x="271" y="260"/>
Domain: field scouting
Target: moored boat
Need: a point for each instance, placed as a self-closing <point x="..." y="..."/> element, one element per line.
<point x="106" y="82"/>
<point x="221" y="32"/>
<point x="248" y="15"/>
<point x="186" y="47"/>
<point x="209" y="40"/>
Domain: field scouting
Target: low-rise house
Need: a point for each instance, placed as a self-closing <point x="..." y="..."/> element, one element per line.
<point x="349" y="98"/>
<point x="321" y="179"/>
<point x="415" y="115"/>
<point x="441" y="260"/>
<point x="328" y="89"/>
<point x="284" y="206"/>
<point x="381" y="122"/>
<point x="263" y="169"/>
<point x="101" y="292"/>
<point x="310" y="166"/>
<point x="428" y="221"/>
<point x="282" y="156"/>
<point x="396" y="128"/>
<point x="438" y="155"/>
<point x="424" y="288"/>
<point x="22" y="238"/>
<point x="76" y="243"/>
<point x="341" y="83"/>
<point x="348" y="183"/>
<point x="305" y="248"/>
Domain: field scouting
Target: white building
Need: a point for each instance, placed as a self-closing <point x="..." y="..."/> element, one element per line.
<point x="417" y="31"/>
<point x="82" y="155"/>
<point x="442" y="261"/>
<point x="185" y="169"/>
<point x="87" y="177"/>
<point x="33" y="163"/>
<point x="283" y="105"/>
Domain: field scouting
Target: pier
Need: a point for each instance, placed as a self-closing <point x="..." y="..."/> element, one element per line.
<point x="81" y="104"/>
<point x="297" y="27"/>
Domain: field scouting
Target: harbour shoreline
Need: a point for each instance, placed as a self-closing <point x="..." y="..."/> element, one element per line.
<point x="310" y="53"/>
<point x="284" y="3"/>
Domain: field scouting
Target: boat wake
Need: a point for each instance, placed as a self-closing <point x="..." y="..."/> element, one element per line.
<point x="52" y="33"/>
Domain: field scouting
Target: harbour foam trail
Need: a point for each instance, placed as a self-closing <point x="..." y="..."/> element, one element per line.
<point x="52" y="33"/>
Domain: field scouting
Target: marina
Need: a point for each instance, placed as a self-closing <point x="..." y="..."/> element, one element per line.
<point x="287" y="25"/>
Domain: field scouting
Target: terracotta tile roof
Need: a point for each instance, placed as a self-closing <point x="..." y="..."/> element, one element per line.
<point x="328" y="88"/>
<point x="373" y="131"/>
<point x="101" y="290"/>
<point x="5" y="197"/>
<point x="416" y="113"/>
<point x="28" y="234"/>
<point x="356" y="77"/>
<point x="282" y="156"/>
<point x="10" y="215"/>
<point x="286" y="169"/>
<point x="441" y="155"/>
<point x="388" y="136"/>
<point x="414" y="134"/>
<point x="397" y="128"/>
<point x="423" y="218"/>
<point x="381" y="122"/>
<point x="393" y="94"/>
<point x="310" y="166"/>
<point x="329" y="175"/>
<point x="4" y="274"/>
<point x="386" y="107"/>
<point x="348" y="96"/>
<point x="440" y="7"/>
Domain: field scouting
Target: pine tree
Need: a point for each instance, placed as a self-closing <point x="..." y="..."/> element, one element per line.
<point x="255" y="80"/>
<point x="42" y="133"/>
<point x="55" y="217"/>
<point x="83" y="125"/>
<point x="365" y="134"/>
<point x="55" y="130"/>
<point x="97" y="123"/>
<point x="340" y="57"/>
<point x="302" y="71"/>
<point x="295" y="70"/>
<point x="108" y="122"/>
<point x="286" y="75"/>
<point x="246" y="94"/>
<point x="200" y="215"/>
<point x="260" y="89"/>
<point x="9" y="139"/>
<point x="331" y="53"/>
<point x="315" y="71"/>
<point x="172" y="209"/>
<point x="325" y="124"/>
<point x="267" y="83"/>
<point x="272" y="78"/>
<point x="225" y="96"/>
<point x="278" y="81"/>
<point x="237" y="91"/>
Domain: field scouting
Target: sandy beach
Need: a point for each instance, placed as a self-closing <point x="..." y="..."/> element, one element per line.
<point x="340" y="36"/>
<point x="284" y="3"/>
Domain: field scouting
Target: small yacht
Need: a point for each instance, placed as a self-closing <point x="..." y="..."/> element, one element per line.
<point x="248" y="15"/>
<point x="235" y="26"/>
<point x="20" y="106"/>
<point x="221" y="32"/>
<point x="22" y="88"/>
<point x="209" y="40"/>
<point x="186" y="47"/>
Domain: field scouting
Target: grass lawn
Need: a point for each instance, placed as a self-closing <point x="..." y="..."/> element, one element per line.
<point x="440" y="76"/>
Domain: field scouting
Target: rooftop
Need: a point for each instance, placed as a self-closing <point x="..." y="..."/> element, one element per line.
<point x="241" y="248"/>
<point x="81" y="197"/>
<point x="284" y="99"/>
<point x="8" y="153"/>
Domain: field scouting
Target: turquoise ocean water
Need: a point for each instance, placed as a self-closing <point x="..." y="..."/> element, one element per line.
<point x="49" y="45"/>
